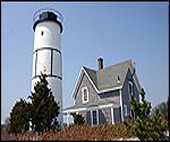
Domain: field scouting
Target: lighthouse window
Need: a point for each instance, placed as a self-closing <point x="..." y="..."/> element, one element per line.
<point x="42" y="33"/>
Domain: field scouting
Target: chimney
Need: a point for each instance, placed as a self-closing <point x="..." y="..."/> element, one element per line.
<point x="100" y="64"/>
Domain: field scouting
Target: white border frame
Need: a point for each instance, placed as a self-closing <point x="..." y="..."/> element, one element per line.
<point x="130" y="82"/>
<point x="90" y="108"/>
<point x="97" y="116"/>
<point x="125" y="110"/>
<point x="82" y="91"/>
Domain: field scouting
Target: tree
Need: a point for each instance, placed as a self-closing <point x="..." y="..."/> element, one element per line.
<point x="5" y="127"/>
<point x="19" y="118"/>
<point x="163" y="108"/>
<point x="147" y="127"/>
<point x="78" y="119"/>
<point x="43" y="109"/>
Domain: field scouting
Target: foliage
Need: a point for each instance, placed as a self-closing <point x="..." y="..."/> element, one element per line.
<point x="81" y="132"/>
<point x="78" y="119"/>
<point x="19" y="118"/>
<point x="5" y="127"/>
<point x="43" y="109"/>
<point x="163" y="108"/>
<point x="146" y="127"/>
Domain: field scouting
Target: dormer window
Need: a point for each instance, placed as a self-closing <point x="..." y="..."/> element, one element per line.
<point x="85" y="95"/>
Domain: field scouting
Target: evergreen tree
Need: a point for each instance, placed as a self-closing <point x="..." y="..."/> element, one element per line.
<point x="5" y="127"/>
<point x="43" y="109"/>
<point x="163" y="108"/>
<point x="147" y="127"/>
<point x="19" y="120"/>
<point x="78" y="119"/>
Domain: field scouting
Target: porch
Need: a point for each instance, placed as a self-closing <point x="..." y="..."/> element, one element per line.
<point x="103" y="113"/>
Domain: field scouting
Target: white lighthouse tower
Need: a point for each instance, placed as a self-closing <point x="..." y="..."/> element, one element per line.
<point x="47" y="52"/>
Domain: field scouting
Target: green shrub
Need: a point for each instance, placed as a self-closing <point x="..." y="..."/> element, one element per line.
<point x="78" y="119"/>
<point x="147" y="127"/>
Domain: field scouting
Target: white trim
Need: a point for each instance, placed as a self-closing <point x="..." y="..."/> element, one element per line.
<point x="98" y="91"/>
<point x="67" y="119"/>
<point x="130" y="87"/>
<point x="130" y="84"/>
<point x="132" y="67"/>
<point x="105" y="106"/>
<point x="91" y="117"/>
<point x="104" y="90"/>
<point x="77" y="81"/>
<point x="90" y="108"/>
<point x="125" y="110"/>
<point x="82" y="90"/>
<point x="121" y="105"/>
<point x="91" y="81"/>
<point x="137" y="82"/>
<point x="110" y="89"/>
<point x="97" y="113"/>
<point x="97" y="116"/>
<point x="112" y="115"/>
<point x="74" y="110"/>
<point x="30" y="126"/>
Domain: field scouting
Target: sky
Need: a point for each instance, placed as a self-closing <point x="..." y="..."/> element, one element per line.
<point x="115" y="31"/>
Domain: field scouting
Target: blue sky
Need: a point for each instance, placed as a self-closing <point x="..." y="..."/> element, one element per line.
<point x="116" y="31"/>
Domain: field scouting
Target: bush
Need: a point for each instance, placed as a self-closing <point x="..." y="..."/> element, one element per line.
<point x="78" y="119"/>
<point x="81" y="132"/>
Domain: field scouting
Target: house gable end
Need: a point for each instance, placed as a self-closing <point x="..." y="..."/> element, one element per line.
<point x="91" y="94"/>
<point x="79" y="81"/>
<point x="132" y="70"/>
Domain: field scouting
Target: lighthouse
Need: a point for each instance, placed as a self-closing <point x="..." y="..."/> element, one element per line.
<point x="47" y="28"/>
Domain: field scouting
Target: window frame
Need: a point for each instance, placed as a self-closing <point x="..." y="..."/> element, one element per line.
<point x="83" y="96"/>
<point x="130" y="84"/>
<point x="125" y="110"/>
<point x="96" y="115"/>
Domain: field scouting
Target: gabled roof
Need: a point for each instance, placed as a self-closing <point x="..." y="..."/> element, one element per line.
<point x="107" y="79"/>
<point x="92" y="74"/>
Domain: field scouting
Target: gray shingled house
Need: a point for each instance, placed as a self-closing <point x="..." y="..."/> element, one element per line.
<point x="102" y="96"/>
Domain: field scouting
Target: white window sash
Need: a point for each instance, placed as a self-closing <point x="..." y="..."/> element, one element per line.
<point x="87" y="93"/>
<point x="125" y="110"/>
<point x="97" y="116"/>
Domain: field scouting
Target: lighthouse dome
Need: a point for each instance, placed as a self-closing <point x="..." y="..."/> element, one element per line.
<point x="48" y="14"/>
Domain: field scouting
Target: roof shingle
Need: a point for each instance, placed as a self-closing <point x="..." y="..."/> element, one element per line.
<point x="108" y="77"/>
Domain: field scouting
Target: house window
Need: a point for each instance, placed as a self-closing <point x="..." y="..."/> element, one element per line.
<point x="94" y="114"/>
<point x="130" y="87"/>
<point x="85" y="95"/>
<point x="125" y="110"/>
<point x="94" y="117"/>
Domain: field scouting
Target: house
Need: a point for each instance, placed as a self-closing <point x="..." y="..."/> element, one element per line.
<point x="102" y="96"/>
